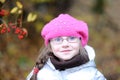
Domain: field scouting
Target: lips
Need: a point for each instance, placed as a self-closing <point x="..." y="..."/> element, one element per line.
<point x="65" y="50"/>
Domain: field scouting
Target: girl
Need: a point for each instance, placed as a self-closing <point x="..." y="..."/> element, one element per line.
<point x="66" y="55"/>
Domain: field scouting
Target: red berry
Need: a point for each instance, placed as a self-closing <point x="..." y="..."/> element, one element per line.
<point x="8" y="29"/>
<point x="17" y="30"/>
<point x="20" y="36"/>
<point x="3" y="31"/>
<point x="3" y="12"/>
<point x="25" y="32"/>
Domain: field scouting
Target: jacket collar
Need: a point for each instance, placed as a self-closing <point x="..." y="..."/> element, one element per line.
<point x="91" y="63"/>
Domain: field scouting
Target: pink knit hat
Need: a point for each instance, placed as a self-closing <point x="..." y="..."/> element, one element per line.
<point x="65" y="25"/>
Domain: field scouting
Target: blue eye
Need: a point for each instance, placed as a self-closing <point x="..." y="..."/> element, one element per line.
<point x="57" y="39"/>
<point x="72" y="38"/>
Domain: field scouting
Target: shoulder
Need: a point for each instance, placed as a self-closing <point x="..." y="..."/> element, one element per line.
<point x="99" y="76"/>
<point x="48" y="72"/>
<point x="86" y="73"/>
<point x="91" y="52"/>
<point x="48" y="69"/>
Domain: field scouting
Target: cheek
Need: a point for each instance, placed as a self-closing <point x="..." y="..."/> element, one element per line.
<point x="76" y="48"/>
<point x="54" y="49"/>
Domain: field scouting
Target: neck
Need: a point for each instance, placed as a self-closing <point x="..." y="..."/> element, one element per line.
<point x="75" y="61"/>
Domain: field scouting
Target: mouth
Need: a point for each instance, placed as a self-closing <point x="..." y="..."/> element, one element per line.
<point x="65" y="50"/>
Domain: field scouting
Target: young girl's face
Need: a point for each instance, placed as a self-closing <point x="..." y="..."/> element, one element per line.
<point x="65" y="48"/>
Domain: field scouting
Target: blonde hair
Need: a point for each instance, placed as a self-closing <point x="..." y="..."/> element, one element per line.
<point x="41" y="60"/>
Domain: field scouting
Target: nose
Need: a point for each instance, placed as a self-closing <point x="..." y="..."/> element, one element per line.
<point x="65" y="44"/>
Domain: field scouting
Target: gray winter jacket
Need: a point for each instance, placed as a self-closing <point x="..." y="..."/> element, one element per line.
<point x="86" y="71"/>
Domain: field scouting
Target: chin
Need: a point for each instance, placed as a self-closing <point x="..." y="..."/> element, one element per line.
<point x="65" y="59"/>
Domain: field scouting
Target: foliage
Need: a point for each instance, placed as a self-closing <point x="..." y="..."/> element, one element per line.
<point x="99" y="6"/>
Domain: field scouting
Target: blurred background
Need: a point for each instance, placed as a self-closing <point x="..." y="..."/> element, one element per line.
<point x="21" y="22"/>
